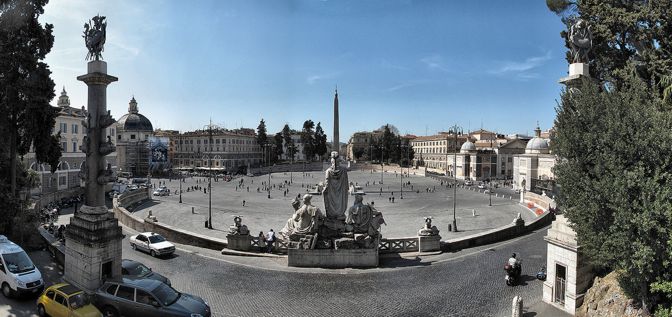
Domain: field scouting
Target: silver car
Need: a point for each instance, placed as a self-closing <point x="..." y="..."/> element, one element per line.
<point x="148" y="298"/>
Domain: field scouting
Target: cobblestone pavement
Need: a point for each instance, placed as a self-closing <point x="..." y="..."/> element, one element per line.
<point x="403" y="217"/>
<point x="466" y="283"/>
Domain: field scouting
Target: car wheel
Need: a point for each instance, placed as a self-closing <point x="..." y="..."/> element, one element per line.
<point x="6" y="291"/>
<point x="152" y="253"/>
<point x="109" y="311"/>
<point x="40" y="311"/>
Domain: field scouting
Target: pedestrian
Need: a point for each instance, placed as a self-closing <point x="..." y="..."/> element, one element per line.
<point x="393" y="199"/>
<point x="248" y="189"/>
<point x="270" y="239"/>
<point x="243" y="202"/>
<point x="262" y="242"/>
<point x="389" y="199"/>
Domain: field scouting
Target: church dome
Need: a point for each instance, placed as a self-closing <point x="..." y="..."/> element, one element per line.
<point x="537" y="145"/>
<point x="133" y="120"/>
<point x="468" y="147"/>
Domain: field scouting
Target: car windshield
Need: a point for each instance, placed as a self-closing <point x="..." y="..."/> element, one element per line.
<point x="78" y="301"/>
<point x="156" y="239"/>
<point x="139" y="270"/>
<point x="166" y="294"/>
<point x="18" y="262"/>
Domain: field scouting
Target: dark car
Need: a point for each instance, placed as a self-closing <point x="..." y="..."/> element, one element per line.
<point x="148" y="298"/>
<point x="130" y="268"/>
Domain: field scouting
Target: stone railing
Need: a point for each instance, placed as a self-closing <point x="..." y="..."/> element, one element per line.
<point x="541" y="201"/>
<point x="398" y="245"/>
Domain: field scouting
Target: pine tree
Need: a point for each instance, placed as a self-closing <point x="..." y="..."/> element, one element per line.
<point x="26" y="118"/>
<point x="307" y="138"/>
<point x="262" y="138"/>
<point x="616" y="156"/>
<point x="320" y="141"/>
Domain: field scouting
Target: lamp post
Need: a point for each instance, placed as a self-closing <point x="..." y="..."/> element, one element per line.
<point x="401" y="177"/>
<point x="455" y="130"/>
<point x="210" y="175"/>
<point x="268" y="148"/>
<point x="381" y="164"/>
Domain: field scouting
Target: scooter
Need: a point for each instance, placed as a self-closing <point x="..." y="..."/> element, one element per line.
<point x="512" y="273"/>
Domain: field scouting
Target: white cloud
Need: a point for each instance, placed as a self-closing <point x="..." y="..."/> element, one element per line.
<point x="317" y="77"/>
<point x="434" y="62"/>
<point x="526" y="65"/>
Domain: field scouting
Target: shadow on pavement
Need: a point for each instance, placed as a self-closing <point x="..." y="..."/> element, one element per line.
<point x="526" y="278"/>
<point x="393" y="260"/>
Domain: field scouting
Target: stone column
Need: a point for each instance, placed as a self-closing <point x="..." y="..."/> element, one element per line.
<point x="93" y="237"/>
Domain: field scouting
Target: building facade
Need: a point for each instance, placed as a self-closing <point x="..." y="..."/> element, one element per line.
<point x="436" y="151"/>
<point x="533" y="170"/>
<point x="133" y="133"/>
<point x="66" y="177"/>
<point x="224" y="150"/>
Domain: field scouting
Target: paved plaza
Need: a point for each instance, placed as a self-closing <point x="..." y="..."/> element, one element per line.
<point x="423" y="197"/>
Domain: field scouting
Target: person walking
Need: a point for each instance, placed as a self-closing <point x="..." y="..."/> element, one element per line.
<point x="262" y="242"/>
<point x="270" y="239"/>
<point x="243" y="202"/>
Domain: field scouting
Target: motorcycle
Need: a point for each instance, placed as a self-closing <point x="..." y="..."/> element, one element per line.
<point x="512" y="273"/>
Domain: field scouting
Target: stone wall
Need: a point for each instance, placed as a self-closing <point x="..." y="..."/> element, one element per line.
<point x="606" y="298"/>
<point x="336" y="259"/>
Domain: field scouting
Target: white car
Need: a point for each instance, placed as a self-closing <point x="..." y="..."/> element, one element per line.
<point x="468" y="183"/>
<point x="18" y="274"/>
<point x="481" y="186"/>
<point x="161" y="191"/>
<point x="152" y="243"/>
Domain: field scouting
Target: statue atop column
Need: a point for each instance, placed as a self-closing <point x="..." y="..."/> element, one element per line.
<point x="94" y="37"/>
<point x="580" y="41"/>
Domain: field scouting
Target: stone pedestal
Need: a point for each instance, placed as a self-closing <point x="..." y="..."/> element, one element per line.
<point x="333" y="259"/>
<point x="429" y="243"/>
<point x="576" y="71"/>
<point x="239" y="242"/>
<point x="568" y="273"/>
<point x="93" y="248"/>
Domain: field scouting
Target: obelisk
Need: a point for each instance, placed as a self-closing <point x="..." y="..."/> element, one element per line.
<point x="336" y="145"/>
<point x="93" y="237"/>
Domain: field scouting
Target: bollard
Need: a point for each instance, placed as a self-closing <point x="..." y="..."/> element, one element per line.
<point x="473" y="212"/>
<point x="192" y="210"/>
<point x="517" y="307"/>
<point x="450" y="227"/>
<point x="206" y="223"/>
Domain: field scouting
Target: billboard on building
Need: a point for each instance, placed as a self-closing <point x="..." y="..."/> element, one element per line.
<point x="158" y="154"/>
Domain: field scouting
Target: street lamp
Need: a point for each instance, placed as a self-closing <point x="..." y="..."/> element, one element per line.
<point x="455" y="130"/>
<point x="210" y="175"/>
<point x="381" y="163"/>
<point x="401" y="177"/>
<point x="268" y="148"/>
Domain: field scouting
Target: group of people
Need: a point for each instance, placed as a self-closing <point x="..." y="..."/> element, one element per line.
<point x="266" y="241"/>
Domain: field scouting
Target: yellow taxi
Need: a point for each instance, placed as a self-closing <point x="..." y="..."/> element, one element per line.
<point x="65" y="300"/>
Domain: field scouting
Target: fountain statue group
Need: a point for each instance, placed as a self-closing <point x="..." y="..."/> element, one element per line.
<point x="340" y="227"/>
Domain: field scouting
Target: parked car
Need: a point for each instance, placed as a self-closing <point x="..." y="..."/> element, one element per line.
<point x="161" y="191"/>
<point x="67" y="301"/>
<point x="130" y="268"/>
<point x="481" y="186"/>
<point x="18" y="274"/>
<point x="153" y="243"/>
<point x="148" y="298"/>
<point x="468" y="183"/>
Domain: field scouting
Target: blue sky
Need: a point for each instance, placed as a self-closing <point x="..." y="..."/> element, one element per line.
<point x="419" y="65"/>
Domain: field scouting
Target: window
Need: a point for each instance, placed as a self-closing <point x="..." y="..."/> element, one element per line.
<point x="50" y="294"/>
<point x="126" y="292"/>
<point x="62" y="181"/>
<point x="132" y="136"/>
<point x="64" y="127"/>
<point x="112" y="289"/>
<point x="143" y="297"/>
<point x="75" y="128"/>
<point x="198" y="141"/>
<point x="141" y="238"/>
<point x="74" y="146"/>
<point x="64" y="146"/>
<point x="119" y="137"/>
<point x="61" y="300"/>
<point x="111" y="131"/>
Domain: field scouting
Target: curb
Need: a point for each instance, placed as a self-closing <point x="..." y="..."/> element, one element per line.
<point x="252" y="254"/>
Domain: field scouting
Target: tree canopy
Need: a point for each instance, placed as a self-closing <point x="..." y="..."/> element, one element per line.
<point x="26" y="118"/>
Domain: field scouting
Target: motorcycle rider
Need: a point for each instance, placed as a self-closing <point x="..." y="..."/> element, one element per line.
<point x="515" y="264"/>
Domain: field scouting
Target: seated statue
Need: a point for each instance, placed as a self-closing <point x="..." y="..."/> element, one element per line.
<point x="428" y="229"/>
<point x="305" y="219"/>
<point x="362" y="218"/>
<point x="238" y="228"/>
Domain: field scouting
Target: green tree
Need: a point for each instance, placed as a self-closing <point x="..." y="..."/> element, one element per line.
<point x="635" y="32"/>
<point x="307" y="138"/>
<point x="289" y="142"/>
<point x="388" y="143"/>
<point x="26" y="118"/>
<point x="616" y="148"/>
<point x="277" y="141"/>
<point x="262" y="138"/>
<point x="320" y="141"/>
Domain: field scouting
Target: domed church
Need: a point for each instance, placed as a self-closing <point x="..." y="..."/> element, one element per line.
<point x="533" y="170"/>
<point x="133" y="133"/>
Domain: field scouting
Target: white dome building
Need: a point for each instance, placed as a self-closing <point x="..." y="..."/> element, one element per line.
<point x="533" y="171"/>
